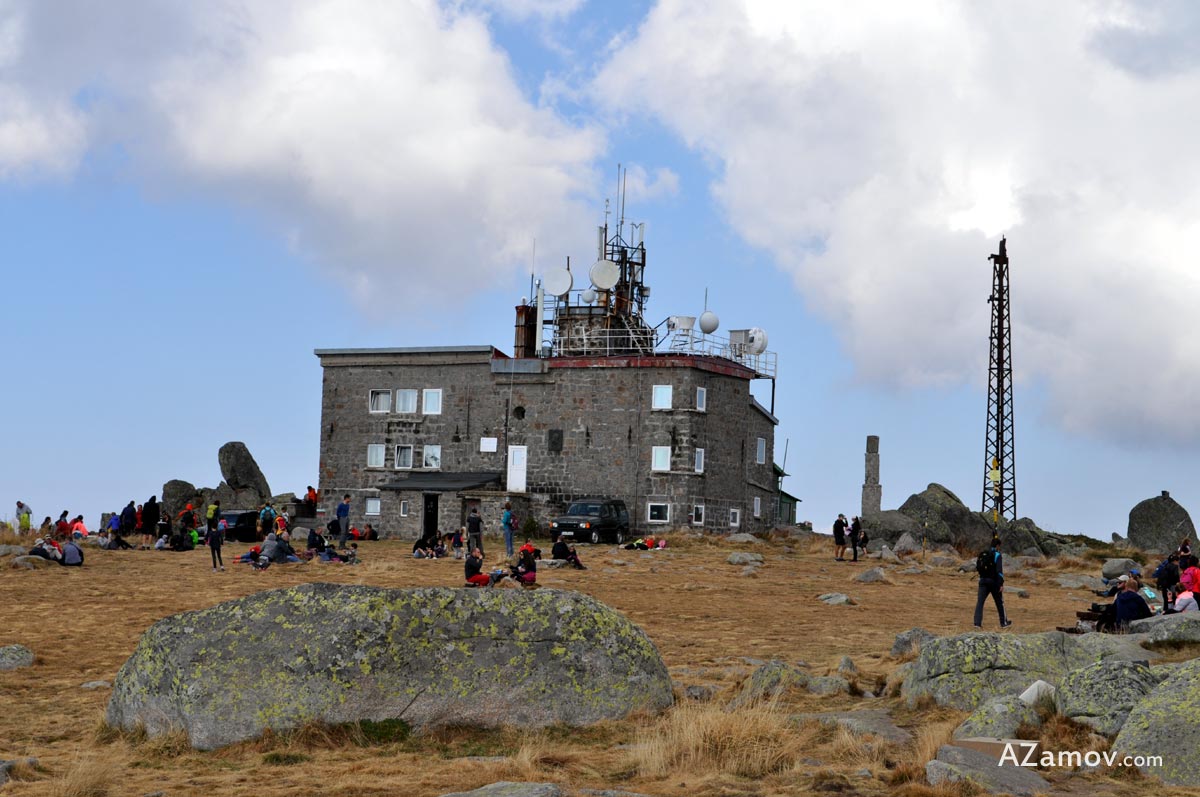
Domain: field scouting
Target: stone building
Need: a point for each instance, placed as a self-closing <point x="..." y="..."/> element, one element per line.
<point x="417" y="436"/>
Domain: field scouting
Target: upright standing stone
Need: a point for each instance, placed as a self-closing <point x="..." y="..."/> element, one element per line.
<point x="872" y="495"/>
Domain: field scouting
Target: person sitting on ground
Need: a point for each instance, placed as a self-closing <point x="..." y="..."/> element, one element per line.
<point x="422" y="549"/>
<point x="567" y="553"/>
<point x="525" y="571"/>
<point x="346" y="556"/>
<point x="1130" y="605"/>
<point x="45" y="548"/>
<point x="161" y="543"/>
<point x="316" y="542"/>
<point x="47" y="528"/>
<point x="269" y="546"/>
<point x="103" y="540"/>
<point x="72" y="555"/>
<point x="440" y="549"/>
<point x="473" y="569"/>
<point x="370" y="533"/>
<point x="284" y="552"/>
<point x="528" y="546"/>
<point x="251" y="555"/>
<point x="637" y="545"/>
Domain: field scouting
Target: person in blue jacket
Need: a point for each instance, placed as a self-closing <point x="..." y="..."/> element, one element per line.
<point x="990" y="566"/>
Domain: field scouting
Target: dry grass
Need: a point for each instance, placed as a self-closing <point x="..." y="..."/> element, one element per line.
<point x="88" y="776"/>
<point x="928" y="739"/>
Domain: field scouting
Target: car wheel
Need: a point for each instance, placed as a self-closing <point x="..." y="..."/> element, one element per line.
<point x="595" y="538"/>
<point x="620" y="537"/>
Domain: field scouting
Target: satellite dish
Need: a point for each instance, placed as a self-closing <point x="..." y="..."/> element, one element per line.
<point x="756" y="340"/>
<point x="604" y="274"/>
<point x="709" y="322"/>
<point x="588" y="296"/>
<point x="558" y="283"/>
<point x="683" y="323"/>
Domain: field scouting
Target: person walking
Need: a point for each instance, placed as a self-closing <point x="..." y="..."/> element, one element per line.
<point x="990" y="567"/>
<point x="839" y="538"/>
<point x="24" y="518"/>
<point x="212" y="515"/>
<point x="343" y="519"/>
<point x="215" y="538"/>
<point x="508" y="521"/>
<point x="151" y="515"/>
<point x="474" y="530"/>
<point x="855" y="536"/>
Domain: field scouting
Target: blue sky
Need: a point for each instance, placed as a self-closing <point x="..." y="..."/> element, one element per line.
<point x="184" y="221"/>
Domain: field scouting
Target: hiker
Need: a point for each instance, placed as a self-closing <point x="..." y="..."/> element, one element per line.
<point x="1130" y="605"/>
<point x="129" y="519"/>
<point x="266" y="518"/>
<point x="474" y="531"/>
<point x="24" y="518"/>
<point x="508" y="522"/>
<point x="214" y="539"/>
<point x="62" y="526"/>
<point x="311" y="498"/>
<point x="525" y="571"/>
<point x="72" y="555"/>
<point x="212" y="516"/>
<point x="284" y="552"/>
<point x="528" y="546"/>
<point x="42" y="549"/>
<point x="1166" y="575"/>
<point x="138" y="526"/>
<point x="567" y="553"/>
<point x="990" y="567"/>
<point x="839" y="538"/>
<point x="474" y="570"/>
<point x="78" y="529"/>
<point x="1190" y="577"/>
<point x="855" y="536"/>
<point x="457" y="540"/>
<point x="343" y="519"/>
<point x="1185" y="601"/>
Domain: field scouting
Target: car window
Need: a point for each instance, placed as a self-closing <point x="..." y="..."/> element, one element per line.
<point x="584" y="509"/>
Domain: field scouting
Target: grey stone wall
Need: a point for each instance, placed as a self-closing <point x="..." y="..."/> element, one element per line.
<point x="589" y="431"/>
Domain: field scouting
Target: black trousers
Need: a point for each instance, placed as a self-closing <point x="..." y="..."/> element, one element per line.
<point x="995" y="588"/>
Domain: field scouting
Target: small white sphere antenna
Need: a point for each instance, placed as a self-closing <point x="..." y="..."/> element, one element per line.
<point x="588" y="296"/>
<point x="709" y="322"/>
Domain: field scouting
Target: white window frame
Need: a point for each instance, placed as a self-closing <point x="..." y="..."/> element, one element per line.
<point x="701" y="399"/>
<point x="758" y="506"/>
<point x="408" y="393"/>
<point x="378" y="506"/>
<point x="661" y="397"/>
<point x="650" y="504"/>
<point x="411" y="453"/>
<point x="371" y="394"/>
<point x="404" y="508"/>
<point x="655" y="453"/>
<point x="698" y="520"/>
<point x="425" y="396"/>
<point x="425" y="457"/>
<point x="761" y="453"/>
<point x="379" y="448"/>
<point x="735" y="518"/>
<point x="699" y="460"/>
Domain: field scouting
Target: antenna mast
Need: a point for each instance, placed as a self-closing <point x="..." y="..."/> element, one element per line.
<point x="999" y="477"/>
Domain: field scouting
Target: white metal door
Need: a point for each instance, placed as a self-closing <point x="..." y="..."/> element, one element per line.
<point x="516" y="468"/>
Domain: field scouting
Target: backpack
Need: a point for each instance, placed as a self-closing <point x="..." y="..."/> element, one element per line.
<point x="1158" y="571"/>
<point x="985" y="565"/>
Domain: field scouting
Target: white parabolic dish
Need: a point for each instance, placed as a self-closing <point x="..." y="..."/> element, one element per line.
<point x="604" y="274"/>
<point x="558" y="283"/>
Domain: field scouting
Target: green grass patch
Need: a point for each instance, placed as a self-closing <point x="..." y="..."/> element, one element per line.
<point x="384" y="731"/>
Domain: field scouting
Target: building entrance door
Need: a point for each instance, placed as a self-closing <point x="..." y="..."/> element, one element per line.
<point x="429" y="518"/>
<point x="516" y="468"/>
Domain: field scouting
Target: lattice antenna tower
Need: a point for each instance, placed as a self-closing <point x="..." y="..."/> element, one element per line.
<point x="1000" y="475"/>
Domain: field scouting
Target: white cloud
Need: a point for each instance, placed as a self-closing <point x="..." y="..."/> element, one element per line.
<point x="389" y="141"/>
<point x="878" y="156"/>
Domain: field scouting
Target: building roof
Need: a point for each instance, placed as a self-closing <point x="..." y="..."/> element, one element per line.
<point x="442" y="482"/>
<point x="409" y="350"/>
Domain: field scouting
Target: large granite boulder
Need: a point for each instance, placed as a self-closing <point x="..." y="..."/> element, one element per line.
<point x="889" y="526"/>
<point x="963" y="671"/>
<point x="1118" y="567"/>
<point x="956" y="764"/>
<point x="1158" y="524"/>
<point x="1183" y="627"/>
<point x="1161" y="725"/>
<point x="1102" y="694"/>
<point x="772" y="680"/>
<point x="332" y="653"/>
<point x="240" y="471"/>
<point x="946" y="519"/>
<point x="910" y="641"/>
<point x="176" y="494"/>
<point x="998" y="717"/>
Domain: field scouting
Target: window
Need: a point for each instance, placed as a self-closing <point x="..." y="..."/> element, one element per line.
<point x="404" y="509"/>
<point x="762" y="451"/>
<point x="661" y="397"/>
<point x="432" y="401"/>
<point x="735" y="518"/>
<point x="660" y="458"/>
<point x="432" y="457"/>
<point x="699" y="460"/>
<point x="701" y="399"/>
<point x="406" y="401"/>
<point x="698" y="515"/>
<point x="404" y="456"/>
<point x="757" y="506"/>
<point x="375" y="455"/>
<point x="372" y="506"/>
<point x="380" y="401"/>
<point x="658" y="513"/>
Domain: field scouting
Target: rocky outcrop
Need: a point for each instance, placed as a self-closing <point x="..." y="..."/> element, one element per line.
<point x="1160" y="725"/>
<point x="911" y="641"/>
<point x="1102" y="694"/>
<point x="240" y="471"/>
<point x="772" y="680"/>
<point x="1158" y="524"/>
<point x="1169" y="627"/>
<point x="176" y="494"/>
<point x="963" y="671"/>
<point x="955" y="764"/>
<point x="1118" y="567"/>
<point x="998" y="717"/>
<point x="14" y="656"/>
<point x="243" y="485"/>
<point x="332" y="653"/>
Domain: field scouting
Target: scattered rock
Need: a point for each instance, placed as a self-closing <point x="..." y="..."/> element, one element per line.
<point x="836" y="599"/>
<point x="31" y="563"/>
<point x="873" y="576"/>
<point x="7" y="766"/>
<point x="915" y="570"/>
<point x="551" y="564"/>
<point x="611" y="793"/>
<point x="846" y="666"/>
<point x="1018" y="591"/>
<point x="749" y="571"/>
<point x="1102" y="694"/>
<point x="743" y="537"/>
<point x="14" y="656"/>
<point x="829" y="685"/>
<point x="998" y="717"/>
<point x="1160" y="725"/>
<point x="911" y="641"/>
<point x="1118" y="567"/>
<point x="769" y="681"/>
<point x="96" y="685"/>
<point x="281" y="658"/>
<point x="509" y="789"/>
<point x="1073" y="581"/>
<point x="701" y="693"/>
<point x="886" y="554"/>
<point x="1038" y="692"/>
<point x="1158" y="524"/>
<point x="1169" y="627"/>
<point x="743" y="558"/>
<point x="954" y="764"/>
<point x="13" y="550"/>
<point x="907" y="544"/>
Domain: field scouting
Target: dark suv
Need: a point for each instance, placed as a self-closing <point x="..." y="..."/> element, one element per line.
<point x="593" y="520"/>
<point x="241" y="525"/>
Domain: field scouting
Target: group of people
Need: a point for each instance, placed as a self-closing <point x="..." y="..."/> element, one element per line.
<point x="1177" y="578"/>
<point x="852" y="530"/>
